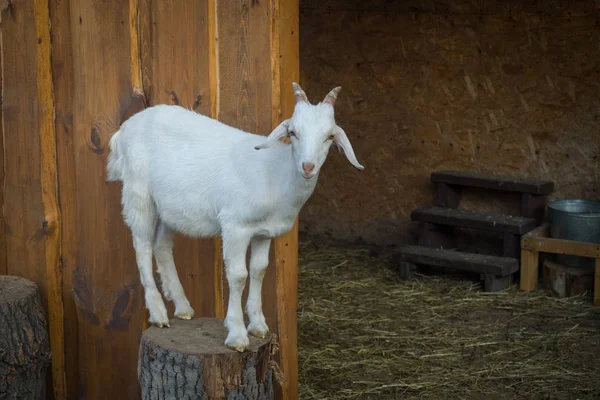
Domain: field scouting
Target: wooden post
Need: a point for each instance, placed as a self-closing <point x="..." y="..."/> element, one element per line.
<point x="24" y="343"/>
<point x="533" y="206"/>
<point x="529" y="269"/>
<point x="190" y="361"/>
<point x="512" y="245"/>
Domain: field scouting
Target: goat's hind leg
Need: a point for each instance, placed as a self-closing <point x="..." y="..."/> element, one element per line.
<point x="140" y="216"/>
<point x="171" y="285"/>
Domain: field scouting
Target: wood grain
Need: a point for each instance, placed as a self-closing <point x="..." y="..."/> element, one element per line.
<point x="286" y="26"/>
<point x="22" y="112"/>
<point x="175" y="39"/>
<point x="134" y="41"/>
<point x="49" y="186"/>
<point x="31" y="214"/>
<point x="101" y="281"/>
<point x="62" y="75"/>
<point x="244" y="92"/>
<point x="529" y="269"/>
<point x="105" y="63"/>
<point x="213" y="72"/>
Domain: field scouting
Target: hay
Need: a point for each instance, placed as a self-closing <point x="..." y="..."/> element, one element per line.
<point x="365" y="334"/>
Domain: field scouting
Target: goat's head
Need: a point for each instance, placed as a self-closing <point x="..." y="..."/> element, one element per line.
<point x="312" y="130"/>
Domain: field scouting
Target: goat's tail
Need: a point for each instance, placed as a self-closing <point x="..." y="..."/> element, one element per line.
<point x="114" y="166"/>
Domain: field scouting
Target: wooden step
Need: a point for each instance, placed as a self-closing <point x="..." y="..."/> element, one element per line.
<point x="470" y="219"/>
<point x="495" y="182"/>
<point x="484" y="264"/>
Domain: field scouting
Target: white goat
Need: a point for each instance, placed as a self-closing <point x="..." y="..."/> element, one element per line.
<point x="185" y="172"/>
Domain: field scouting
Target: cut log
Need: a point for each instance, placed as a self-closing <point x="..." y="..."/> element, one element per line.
<point x="24" y="345"/>
<point x="190" y="361"/>
<point x="564" y="281"/>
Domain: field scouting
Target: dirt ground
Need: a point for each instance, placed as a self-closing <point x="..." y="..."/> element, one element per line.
<point x="366" y="334"/>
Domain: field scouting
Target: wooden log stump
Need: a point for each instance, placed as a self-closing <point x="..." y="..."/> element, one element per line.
<point x="190" y="361"/>
<point x="24" y="344"/>
<point x="565" y="281"/>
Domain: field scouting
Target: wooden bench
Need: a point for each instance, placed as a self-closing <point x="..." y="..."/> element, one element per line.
<point x="533" y="191"/>
<point x="496" y="272"/>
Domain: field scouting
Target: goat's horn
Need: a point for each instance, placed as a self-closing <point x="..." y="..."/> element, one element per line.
<point x="332" y="96"/>
<point x="299" y="93"/>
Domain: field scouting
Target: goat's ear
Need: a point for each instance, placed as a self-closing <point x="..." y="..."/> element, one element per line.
<point x="278" y="133"/>
<point x="341" y="140"/>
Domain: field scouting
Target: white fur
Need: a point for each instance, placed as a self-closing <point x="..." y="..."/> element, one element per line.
<point x="185" y="172"/>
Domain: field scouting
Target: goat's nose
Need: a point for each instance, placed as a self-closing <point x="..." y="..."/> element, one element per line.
<point x="308" y="167"/>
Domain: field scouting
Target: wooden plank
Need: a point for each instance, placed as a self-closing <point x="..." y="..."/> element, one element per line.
<point x="49" y="186"/>
<point x="286" y="27"/>
<point x="539" y="240"/>
<point x="495" y="182"/>
<point x="213" y="73"/>
<point x="98" y="259"/>
<point x="245" y="93"/>
<point x="529" y="269"/>
<point x="62" y="72"/>
<point x="21" y="112"/>
<point x="175" y="68"/>
<point x="474" y="220"/>
<point x="485" y="264"/>
<point x="560" y="246"/>
<point x="31" y="226"/>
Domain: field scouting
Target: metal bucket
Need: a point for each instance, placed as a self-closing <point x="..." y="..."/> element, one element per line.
<point x="575" y="219"/>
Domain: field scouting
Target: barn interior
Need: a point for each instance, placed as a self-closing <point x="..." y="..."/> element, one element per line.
<point x="488" y="86"/>
<point x="483" y="87"/>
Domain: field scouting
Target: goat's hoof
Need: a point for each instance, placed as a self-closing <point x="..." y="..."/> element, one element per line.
<point x="184" y="312"/>
<point x="259" y="330"/>
<point x="238" y="343"/>
<point x="161" y="324"/>
<point x="184" y="315"/>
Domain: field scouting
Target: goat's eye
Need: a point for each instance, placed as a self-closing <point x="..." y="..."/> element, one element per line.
<point x="330" y="137"/>
<point x="292" y="134"/>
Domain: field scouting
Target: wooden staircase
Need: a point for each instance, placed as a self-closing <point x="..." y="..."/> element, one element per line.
<point x="437" y="241"/>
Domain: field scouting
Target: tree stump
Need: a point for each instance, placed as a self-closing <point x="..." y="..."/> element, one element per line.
<point x="24" y="344"/>
<point x="190" y="361"/>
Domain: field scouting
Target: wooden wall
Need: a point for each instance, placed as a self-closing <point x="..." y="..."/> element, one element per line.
<point x="73" y="71"/>
<point x="495" y="86"/>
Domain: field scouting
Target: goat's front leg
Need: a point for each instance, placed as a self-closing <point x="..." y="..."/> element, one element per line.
<point x="235" y="245"/>
<point x="259" y="260"/>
